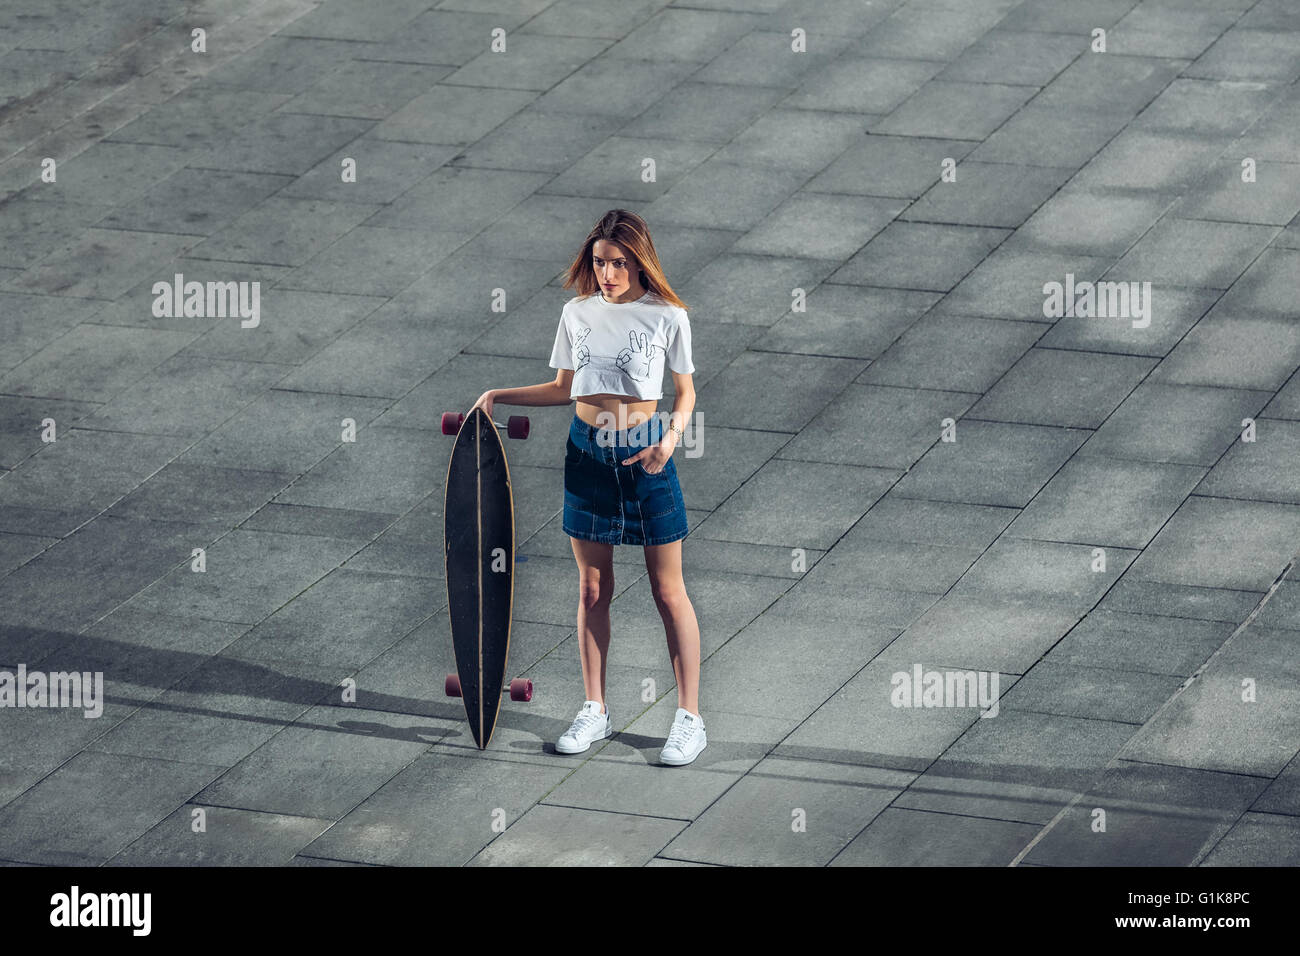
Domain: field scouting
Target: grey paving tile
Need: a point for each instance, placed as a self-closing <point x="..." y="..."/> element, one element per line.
<point x="805" y="383"/>
<point x="1283" y="608"/>
<point x="218" y="498"/>
<point x="915" y="838"/>
<point x="446" y="36"/>
<point x="1047" y="136"/>
<point x="1209" y="727"/>
<point x="343" y="22"/>
<point x="1058" y="575"/>
<point x="1241" y="54"/>
<point x="557" y="142"/>
<point x="1258" y="470"/>
<point x="1207" y="106"/>
<point x="204" y="115"/>
<point x="764" y="58"/>
<point x="976" y="353"/>
<point x="836" y="801"/>
<point x="1273" y="135"/>
<point x="372" y="261"/>
<point x="899" y="166"/>
<point x="894" y="518"/>
<point x="438" y="811"/>
<point x="31" y="322"/>
<point x="1193" y="252"/>
<point x="991" y="463"/>
<point x="912" y="31"/>
<point x="249" y="574"/>
<point x="1234" y="352"/>
<point x="452" y="115"/>
<point x="194" y="202"/>
<point x="956" y="110"/>
<point x="859" y="724"/>
<point x="857" y="81"/>
<point x="101" y="263"/>
<point x="988" y="194"/>
<point x="329" y="761"/>
<point x="94" y="805"/>
<point x="904" y="423"/>
<point x="1060" y="387"/>
<point x="1222" y="542"/>
<point x="285" y="64"/>
<point x="1143" y="642"/>
<point x="563" y="836"/>
<point x="1009" y="283"/>
<point x="122" y="172"/>
<point x="230" y="838"/>
<point x="834" y="590"/>
<point x="987" y="630"/>
<point x="1182" y="601"/>
<point x="1100" y="693"/>
<point x="822" y="136"/>
<point x="220" y="709"/>
<point x="846" y="320"/>
<point x="1161" y="422"/>
<point x="1061" y="15"/>
<point x="1258" y="839"/>
<point x="1155" y="816"/>
<point x="1123" y="85"/>
<point x="1283" y="794"/>
<point x="1004" y="56"/>
<point x="818" y="225"/>
<point x="93" y="362"/>
<point x="1151" y="161"/>
<point x="1092" y="222"/>
<point x="693" y="118"/>
<point x="724" y="195"/>
<point x="1018" y="767"/>
<point x="283" y="231"/>
<point x="293" y="326"/>
<point x="608" y="86"/>
<point x="385" y="170"/>
<point x="845" y="492"/>
<point x="1107" y="501"/>
<point x="1286" y="404"/>
<point x="1267" y="288"/>
<point x="920" y="255"/>
<point x="1160" y="30"/>
<point x="1171" y="312"/>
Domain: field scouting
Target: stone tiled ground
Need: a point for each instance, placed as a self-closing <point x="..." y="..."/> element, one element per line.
<point x="1121" y="683"/>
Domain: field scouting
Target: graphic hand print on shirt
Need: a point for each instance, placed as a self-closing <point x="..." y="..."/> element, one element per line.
<point x="581" y="354"/>
<point x="635" y="361"/>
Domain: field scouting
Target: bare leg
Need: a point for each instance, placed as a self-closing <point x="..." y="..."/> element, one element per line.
<point x="664" y="562"/>
<point x="596" y="590"/>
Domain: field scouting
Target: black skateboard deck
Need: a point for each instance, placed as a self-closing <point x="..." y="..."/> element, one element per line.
<point x="479" y="535"/>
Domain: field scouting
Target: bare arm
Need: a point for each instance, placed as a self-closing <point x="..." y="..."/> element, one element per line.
<point x="683" y="405"/>
<point x="547" y="393"/>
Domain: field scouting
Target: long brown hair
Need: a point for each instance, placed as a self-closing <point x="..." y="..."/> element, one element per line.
<point x="630" y="232"/>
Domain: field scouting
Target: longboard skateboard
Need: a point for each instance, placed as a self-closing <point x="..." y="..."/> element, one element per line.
<point x="479" y="537"/>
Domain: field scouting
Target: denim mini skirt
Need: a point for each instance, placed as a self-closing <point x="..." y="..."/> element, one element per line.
<point x="614" y="503"/>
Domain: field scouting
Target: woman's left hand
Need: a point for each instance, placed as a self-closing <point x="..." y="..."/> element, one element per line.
<point x="653" y="459"/>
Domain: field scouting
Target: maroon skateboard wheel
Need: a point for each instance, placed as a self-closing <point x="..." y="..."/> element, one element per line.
<point x="451" y="422"/>
<point x="452" y="685"/>
<point x="517" y="426"/>
<point x="521" y="688"/>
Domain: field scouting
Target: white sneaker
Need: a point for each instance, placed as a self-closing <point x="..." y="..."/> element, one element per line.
<point x="589" y="725"/>
<point x="685" y="740"/>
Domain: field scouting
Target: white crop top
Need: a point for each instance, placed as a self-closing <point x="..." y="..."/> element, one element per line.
<point x="620" y="348"/>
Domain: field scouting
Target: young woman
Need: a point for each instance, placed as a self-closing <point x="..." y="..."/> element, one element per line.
<point x="620" y="483"/>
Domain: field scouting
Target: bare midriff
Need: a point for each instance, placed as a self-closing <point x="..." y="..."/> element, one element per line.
<point x="624" y="411"/>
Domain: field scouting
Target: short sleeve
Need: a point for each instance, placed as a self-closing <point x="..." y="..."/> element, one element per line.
<point x="562" y="353"/>
<point x="679" y="346"/>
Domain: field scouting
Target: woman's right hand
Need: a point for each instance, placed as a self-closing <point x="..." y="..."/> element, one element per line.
<point x="485" y="402"/>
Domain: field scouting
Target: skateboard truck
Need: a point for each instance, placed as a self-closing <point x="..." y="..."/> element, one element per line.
<point x="516" y="426"/>
<point x="521" y="688"/>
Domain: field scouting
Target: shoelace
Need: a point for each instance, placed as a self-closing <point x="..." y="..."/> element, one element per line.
<point x="580" y="724"/>
<point x="680" y="734"/>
